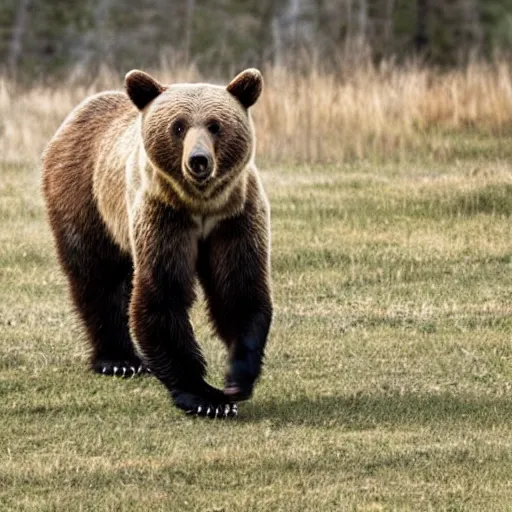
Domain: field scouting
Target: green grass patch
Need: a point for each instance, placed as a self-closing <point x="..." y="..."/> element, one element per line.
<point x="389" y="369"/>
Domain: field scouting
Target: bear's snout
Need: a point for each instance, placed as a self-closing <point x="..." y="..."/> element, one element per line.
<point x="200" y="165"/>
<point x="198" y="156"/>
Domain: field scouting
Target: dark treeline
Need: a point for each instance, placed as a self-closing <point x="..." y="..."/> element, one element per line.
<point x="44" y="37"/>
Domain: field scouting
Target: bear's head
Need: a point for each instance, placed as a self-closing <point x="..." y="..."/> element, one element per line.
<point x="198" y="136"/>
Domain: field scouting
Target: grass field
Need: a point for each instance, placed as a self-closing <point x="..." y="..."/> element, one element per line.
<point x="389" y="372"/>
<point x="388" y="381"/>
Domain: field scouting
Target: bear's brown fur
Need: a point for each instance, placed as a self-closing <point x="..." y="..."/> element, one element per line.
<point x="147" y="191"/>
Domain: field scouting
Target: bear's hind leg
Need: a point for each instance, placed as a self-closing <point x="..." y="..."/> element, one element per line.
<point x="100" y="278"/>
<point x="106" y="320"/>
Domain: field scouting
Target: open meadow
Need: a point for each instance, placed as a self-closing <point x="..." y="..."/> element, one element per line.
<point x="388" y="379"/>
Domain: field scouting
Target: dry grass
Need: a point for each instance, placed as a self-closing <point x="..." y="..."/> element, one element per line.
<point x="313" y="118"/>
<point x="389" y="370"/>
<point x="318" y="118"/>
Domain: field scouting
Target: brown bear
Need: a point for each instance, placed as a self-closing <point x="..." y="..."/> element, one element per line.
<point x="148" y="192"/>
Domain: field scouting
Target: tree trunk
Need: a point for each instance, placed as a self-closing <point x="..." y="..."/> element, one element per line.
<point x="191" y="5"/>
<point x="362" y="21"/>
<point x="421" y="41"/>
<point x="16" y="43"/>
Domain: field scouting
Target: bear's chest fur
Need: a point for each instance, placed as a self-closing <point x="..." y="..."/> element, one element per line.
<point x="205" y="224"/>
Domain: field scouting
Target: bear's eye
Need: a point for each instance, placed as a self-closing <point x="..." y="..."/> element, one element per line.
<point x="214" y="127"/>
<point x="178" y="128"/>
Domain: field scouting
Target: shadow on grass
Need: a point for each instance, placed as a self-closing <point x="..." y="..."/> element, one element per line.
<point x="393" y="410"/>
<point x="354" y="412"/>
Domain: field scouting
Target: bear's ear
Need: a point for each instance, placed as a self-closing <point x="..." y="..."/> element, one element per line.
<point x="246" y="87"/>
<point x="141" y="88"/>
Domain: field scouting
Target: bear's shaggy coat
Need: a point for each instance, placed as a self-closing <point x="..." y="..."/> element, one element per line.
<point x="147" y="191"/>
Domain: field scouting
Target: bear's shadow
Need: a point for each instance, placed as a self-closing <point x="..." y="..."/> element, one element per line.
<point x="366" y="411"/>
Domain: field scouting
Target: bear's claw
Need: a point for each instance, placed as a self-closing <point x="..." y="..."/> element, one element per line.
<point x="123" y="369"/>
<point x="221" y="411"/>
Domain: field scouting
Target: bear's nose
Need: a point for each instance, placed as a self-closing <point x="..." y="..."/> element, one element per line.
<point x="199" y="164"/>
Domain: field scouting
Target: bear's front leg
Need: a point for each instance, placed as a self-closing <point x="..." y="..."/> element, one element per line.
<point x="165" y="254"/>
<point x="234" y="269"/>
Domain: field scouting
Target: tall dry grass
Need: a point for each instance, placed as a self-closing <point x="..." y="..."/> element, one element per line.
<point x="315" y="117"/>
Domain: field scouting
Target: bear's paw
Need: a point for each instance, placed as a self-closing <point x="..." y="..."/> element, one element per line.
<point x="210" y="404"/>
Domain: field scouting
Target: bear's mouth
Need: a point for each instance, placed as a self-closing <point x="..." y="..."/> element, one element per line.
<point x="208" y="189"/>
<point x="201" y="183"/>
<point x="199" y="171"/>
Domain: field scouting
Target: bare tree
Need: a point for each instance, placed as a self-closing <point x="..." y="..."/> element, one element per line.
<point x="16" y="43"/>
<point x="421" y="41"/>
<point x="189" y="18"/>
<point x="362" y="21"/>
<point x="388" y="21"/>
